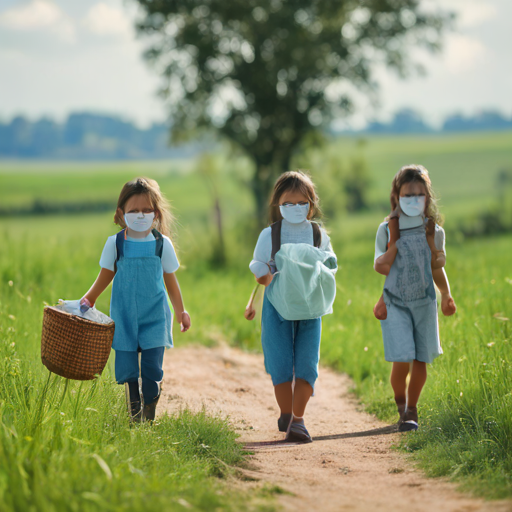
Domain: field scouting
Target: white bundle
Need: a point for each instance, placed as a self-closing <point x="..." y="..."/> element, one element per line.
<point x="73" y="307"/>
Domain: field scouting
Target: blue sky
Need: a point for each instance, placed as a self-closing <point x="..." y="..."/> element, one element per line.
<point x="58" y="56"/>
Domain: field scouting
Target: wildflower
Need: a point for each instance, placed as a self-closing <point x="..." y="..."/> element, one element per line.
<point x="490" y="344"/>
<point x="366" y="349"/>
<point x="10" y="283"/>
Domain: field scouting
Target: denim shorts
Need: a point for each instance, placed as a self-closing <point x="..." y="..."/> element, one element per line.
<point x="411" y="332"/>
<point x="291" y="347"/>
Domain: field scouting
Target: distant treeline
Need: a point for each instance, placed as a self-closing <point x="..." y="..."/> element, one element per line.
<point x="87" y="136"/>
<point x="411" y="121"/>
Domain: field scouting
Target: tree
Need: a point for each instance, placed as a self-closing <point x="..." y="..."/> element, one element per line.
<point x="264" y="73"/>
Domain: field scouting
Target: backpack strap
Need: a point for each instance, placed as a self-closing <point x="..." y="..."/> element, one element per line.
<point x="317" y="235"/>
<point x="159" y="243"/>
<point x="276" y="238"/>
<point x="119" y="247"/>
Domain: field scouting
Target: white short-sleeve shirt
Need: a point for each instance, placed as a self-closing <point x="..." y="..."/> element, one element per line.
<point x="381" y="240"/>
<point x="169" y="259"/>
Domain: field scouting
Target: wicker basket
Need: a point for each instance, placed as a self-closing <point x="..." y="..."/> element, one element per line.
<point x="74" y="347"/>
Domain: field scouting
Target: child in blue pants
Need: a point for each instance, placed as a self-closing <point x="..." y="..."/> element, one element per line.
<point x="143" y="261"/>
<point x="291" y="348"/>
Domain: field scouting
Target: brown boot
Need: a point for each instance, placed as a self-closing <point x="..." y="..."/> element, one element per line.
<point x="133" y="401"/>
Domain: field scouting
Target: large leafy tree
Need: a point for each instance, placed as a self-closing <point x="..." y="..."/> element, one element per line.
<point x="264" y="73"/>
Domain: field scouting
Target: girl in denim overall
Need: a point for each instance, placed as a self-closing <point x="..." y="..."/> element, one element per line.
<point x="143" y="261"/>
<point x="290" y="348"/>
<point x="415" y="250"/>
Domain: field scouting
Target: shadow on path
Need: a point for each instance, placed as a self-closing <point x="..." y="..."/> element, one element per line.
<point x="283" y="443"/>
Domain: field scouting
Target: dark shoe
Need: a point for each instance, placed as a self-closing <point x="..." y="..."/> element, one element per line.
<point x="133" y="401"/>
<point x="298" y="432"/>
<point x="284" y="422"/>
<point x="149" y="410"/>
<point x="409" y="421"/>
<point x="401" y="411"/>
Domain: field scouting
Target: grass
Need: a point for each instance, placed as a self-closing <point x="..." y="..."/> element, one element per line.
<point x="72" y="449"/>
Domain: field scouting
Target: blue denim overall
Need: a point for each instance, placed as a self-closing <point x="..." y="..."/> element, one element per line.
<point x="140" y="311"/>
<point x="411" y="330"/>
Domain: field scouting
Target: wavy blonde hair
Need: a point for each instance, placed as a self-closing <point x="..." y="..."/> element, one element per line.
<point x="414" y="173"/>
<point x="163" y="216"/>
<point x="293" y="181"/>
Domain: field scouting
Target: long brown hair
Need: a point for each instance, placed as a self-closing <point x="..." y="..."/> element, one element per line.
<point x="293" y="181"/>
<point x="149" y="187"/>
<point x="418" y="174"/>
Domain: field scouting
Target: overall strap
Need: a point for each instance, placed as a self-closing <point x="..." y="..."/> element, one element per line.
<point x="317" y="235"/>
<point x="159" y="243"/>
<point x="119" y="248"/>
<point x="276" y="238"/>
<point x="120" y="245"/>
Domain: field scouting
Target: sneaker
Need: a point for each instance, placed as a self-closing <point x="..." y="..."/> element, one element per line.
<point x="409" y="421"/>
<point x="284" y="422"/>
<point x="298" y="432"/>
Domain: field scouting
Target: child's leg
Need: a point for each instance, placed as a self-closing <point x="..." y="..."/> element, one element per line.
<point x="301" y="395"/>
<point x="127" y="373"/>
<point x="284" y="397"/>
<point x="151" y="362"/>
<point x="416" y="383"/>
<point x="398" y="381"/>
<point x="379" y="310"/>
<point x="448" y="306"/>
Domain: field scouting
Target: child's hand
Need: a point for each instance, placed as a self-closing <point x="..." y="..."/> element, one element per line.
<point x="448" y="306"/>
<point x="85" y="305"/>
<point x="250" y="312"/>
<point x="185" y="322"/>
<point x="380" y="310"/>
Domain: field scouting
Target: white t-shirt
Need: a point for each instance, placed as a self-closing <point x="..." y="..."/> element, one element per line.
<point x="381" y="240"/>
<point x="290" y="234"/>
<point x="169" y="259"/>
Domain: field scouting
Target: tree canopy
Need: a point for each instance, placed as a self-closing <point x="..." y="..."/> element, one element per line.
<point x="264" y="73"/>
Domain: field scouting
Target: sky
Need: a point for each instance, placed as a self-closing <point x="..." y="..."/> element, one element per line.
<point x="62" y="56"/>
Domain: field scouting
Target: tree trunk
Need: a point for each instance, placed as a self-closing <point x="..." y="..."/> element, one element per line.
<point x="265" y="174"/>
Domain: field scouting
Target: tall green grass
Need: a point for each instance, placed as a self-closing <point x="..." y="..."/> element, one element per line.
<point x="49" y="434"/>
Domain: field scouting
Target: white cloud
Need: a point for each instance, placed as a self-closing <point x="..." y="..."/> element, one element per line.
<point x="39" y="15"/>
<point x="103" y="19"/>
<point x="472" y="13"/>
<point x="463" y="54"/>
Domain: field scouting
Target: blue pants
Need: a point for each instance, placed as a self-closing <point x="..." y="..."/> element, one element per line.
<point x="151" y="372"/>
<point x="291" y="348"/>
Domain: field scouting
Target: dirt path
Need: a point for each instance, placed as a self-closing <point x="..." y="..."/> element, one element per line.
<point x="341" y="470"/>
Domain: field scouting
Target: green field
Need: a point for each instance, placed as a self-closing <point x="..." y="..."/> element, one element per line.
<point x="50" y="436"/>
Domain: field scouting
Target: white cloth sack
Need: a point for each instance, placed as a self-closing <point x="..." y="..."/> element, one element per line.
<point x="73" y="307"/>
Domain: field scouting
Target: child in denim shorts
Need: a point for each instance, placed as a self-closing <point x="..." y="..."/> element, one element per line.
<point x="409" y="248"/>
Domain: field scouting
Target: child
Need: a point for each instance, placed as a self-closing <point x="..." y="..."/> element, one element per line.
<point x="142" y="259"/>
<point x="408" y="257"/>
<point x="290" y="347"/>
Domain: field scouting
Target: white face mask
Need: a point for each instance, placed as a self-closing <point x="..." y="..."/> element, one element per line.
<point x="139" y="221"/>
<point x="413" y="206"/>
<point x="295" y="213"/>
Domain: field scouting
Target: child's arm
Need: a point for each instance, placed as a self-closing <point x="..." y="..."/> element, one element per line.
<point x="102" y="281"/>
<point x="383" y="263"/>
<point x="448" y="306"/>
<point x="173" y="289"/>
